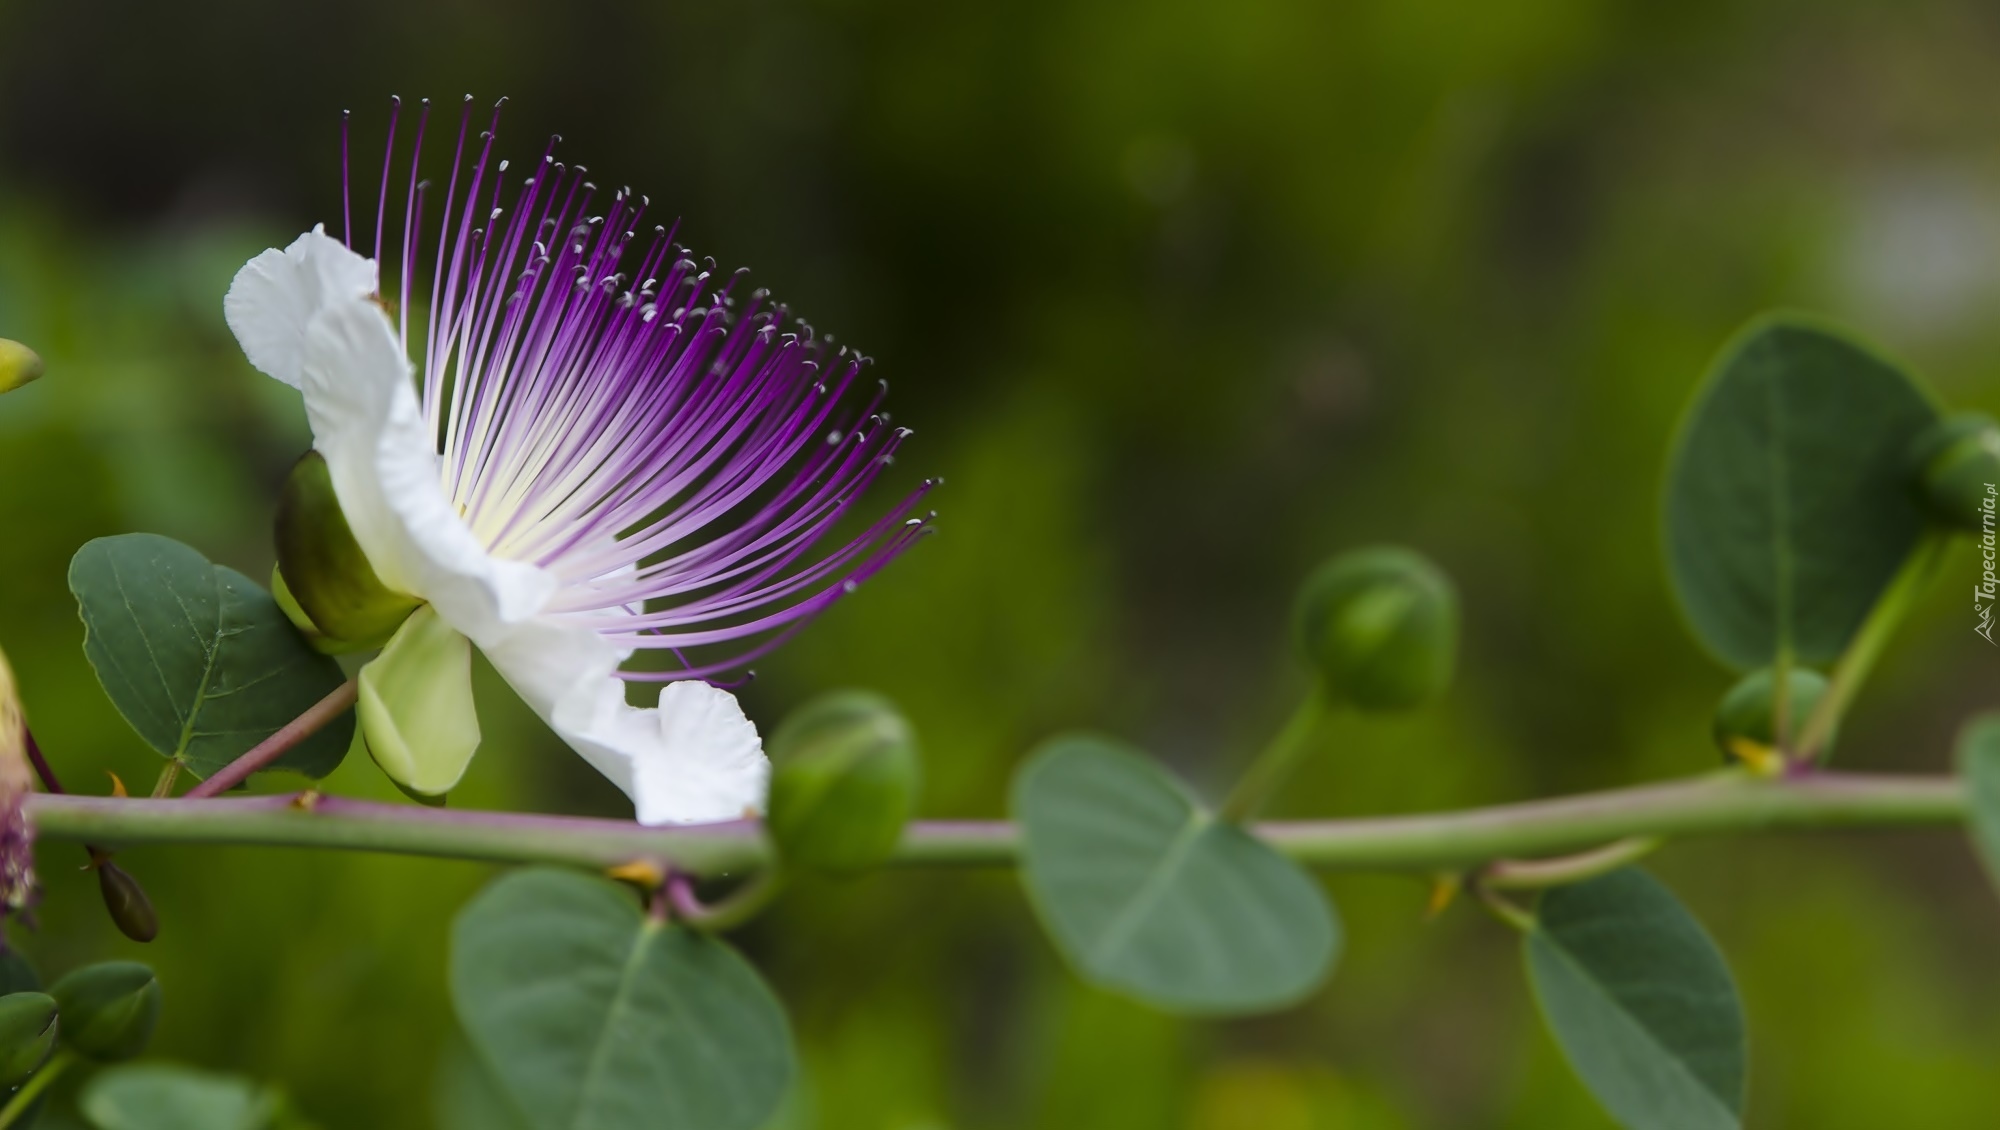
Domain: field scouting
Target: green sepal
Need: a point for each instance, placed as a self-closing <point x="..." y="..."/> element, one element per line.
<point x="844" y="779"/>
<point x="326" y="573"/>
<point x="289" y="605"/>
<point x="416" y="708"/>
<point x="109" y="1010"/>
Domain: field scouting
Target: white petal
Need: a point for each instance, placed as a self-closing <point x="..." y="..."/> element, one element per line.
<point x="306" y="317"/>
<point x="692" y="759"/>
<point x="709" y="764"/>
<point x="363" y="408"/>
<point x="274" y="297"/>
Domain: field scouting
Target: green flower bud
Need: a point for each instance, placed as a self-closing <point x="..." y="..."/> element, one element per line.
<point x="1957" y="461"/>
<point x="843" y="781"/>
<point x="27" y="1034"/>
<point x="108" y="1009"/>
<point x="324" y="572"/>
<point x="131" y="911"/>
<point x="1748" y="712"/>
<point x="415" y="706"/>
<point x="18" y="365"/>
<point x="1381" y="626"/>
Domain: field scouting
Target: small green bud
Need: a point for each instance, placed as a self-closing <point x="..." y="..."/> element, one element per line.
<point x="131" y="911"/>
<point x="108" y="1009"/>
<point x="27" y="1034"/>
<point x="1748" y="712"/>
<point x="324" y="572"/>
<point x="1957" y="461"/>
<point x="843" y="781"/>
<point x="18" y="365"/>
<point x="1381" y="626"/>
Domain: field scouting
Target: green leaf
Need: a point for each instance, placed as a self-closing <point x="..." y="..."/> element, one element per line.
<point x="156" y="1096"/>
<point x="1979" y="763"/>
<point x="465" y="1095"/>
<point x="1148" y="894"/>
<point x="197" y="657"/>
<point x="1641" y="1002"/>
<point x="1789" y="495"/>
<point x="595" y="1017"/>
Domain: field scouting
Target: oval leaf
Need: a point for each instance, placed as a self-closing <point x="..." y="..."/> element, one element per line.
<point x="154" y="1096"/>
<point x="1641" y="1002"/>
<point x="1789" y="503"/>
<point x="1148" y="894"/>
<point x="594" y="1017"/>
<point x="1979" y="764"/>
<point x="199" y="658"/>
<point x="466" y="1097"/>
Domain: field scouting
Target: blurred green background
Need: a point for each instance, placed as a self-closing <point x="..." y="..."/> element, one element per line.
<point x="1180" y="298"/>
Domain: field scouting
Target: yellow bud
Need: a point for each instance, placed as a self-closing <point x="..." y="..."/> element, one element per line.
<point x="18" y="365"/>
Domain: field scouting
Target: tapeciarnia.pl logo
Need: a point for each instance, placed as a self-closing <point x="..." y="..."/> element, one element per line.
<point x="1989" y="585"/>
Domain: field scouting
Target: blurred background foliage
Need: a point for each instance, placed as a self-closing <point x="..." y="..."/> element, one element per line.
<point x="1179" y="297"/>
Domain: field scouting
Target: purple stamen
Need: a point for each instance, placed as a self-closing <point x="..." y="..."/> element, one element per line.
<point x="668" y="448"/>
<point x="388" y="154"/>
<point x="346" y="196"/>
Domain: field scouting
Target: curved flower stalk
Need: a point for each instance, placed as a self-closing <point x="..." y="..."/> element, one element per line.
<point x="602" y="448"/>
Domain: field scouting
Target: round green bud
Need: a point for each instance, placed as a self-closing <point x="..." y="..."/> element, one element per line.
<point x="131" y="911"/>
<point x="1957" y="463"/>
<point x="18" y="365"/>
<point x="1748" y="712"/>
<point x="27" y="1034"/>
<point x="844" y="778"/>
<point x="108" y="1009"/>
<point x="323" y="571"/>
<point x="1381" y="627"/>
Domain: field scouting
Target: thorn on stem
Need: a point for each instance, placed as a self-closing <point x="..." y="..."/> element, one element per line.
<point x="639" y="872"/>
<point x="1444" y="891"/>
